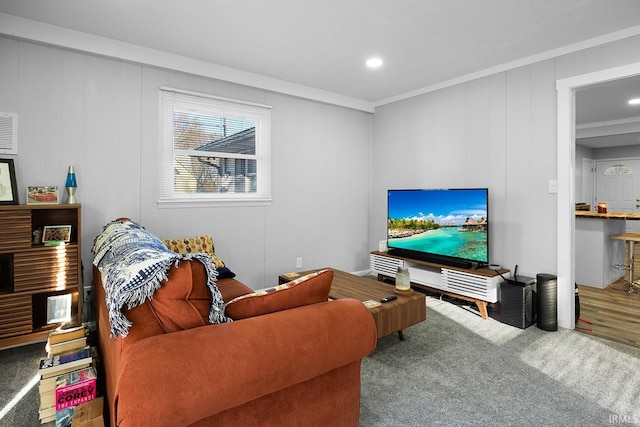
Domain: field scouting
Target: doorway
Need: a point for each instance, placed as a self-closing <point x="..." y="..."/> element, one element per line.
<point x="565" y="243"/>
<point x="618" y="184"/>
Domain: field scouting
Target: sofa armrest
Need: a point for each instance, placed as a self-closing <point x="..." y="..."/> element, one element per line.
<point x="200" y="372"/>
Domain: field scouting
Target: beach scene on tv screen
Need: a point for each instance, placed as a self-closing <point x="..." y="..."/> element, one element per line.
<point x="443" y="222"/>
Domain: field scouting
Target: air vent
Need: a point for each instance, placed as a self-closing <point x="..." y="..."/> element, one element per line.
<point x="475" y="286"/>
<point x="8" y="133"/>
<point x="384" y="265"/>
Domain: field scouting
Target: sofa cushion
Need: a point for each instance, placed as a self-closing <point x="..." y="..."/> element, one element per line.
<point x="134" y="264"/>
<point x="309" y="289"/>
<point x="183" y="301"/>
<point x="197" y="244"/>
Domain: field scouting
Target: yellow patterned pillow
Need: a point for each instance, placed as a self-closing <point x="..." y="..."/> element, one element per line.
<point x="195" y="244"/>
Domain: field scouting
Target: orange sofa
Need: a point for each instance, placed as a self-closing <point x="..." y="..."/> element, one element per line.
<point x="298" y="366"/>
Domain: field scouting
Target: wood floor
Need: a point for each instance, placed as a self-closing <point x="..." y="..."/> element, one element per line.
<point x="613" y="312"/>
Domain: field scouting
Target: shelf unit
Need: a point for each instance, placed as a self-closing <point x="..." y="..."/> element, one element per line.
<point x="480" y="286"/>
<point x="30" y="273"/>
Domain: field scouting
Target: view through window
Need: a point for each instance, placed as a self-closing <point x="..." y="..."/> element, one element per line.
<point x="214" y="149"/>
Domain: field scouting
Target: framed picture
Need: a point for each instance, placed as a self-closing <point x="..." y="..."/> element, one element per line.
<point x="59" y="309"/>
<point x="42" y="195"/>
<point x="56" y="233"/>
<point x="8" y="185"/>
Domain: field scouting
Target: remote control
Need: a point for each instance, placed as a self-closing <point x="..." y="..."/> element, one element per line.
<point x="387" y="299"/>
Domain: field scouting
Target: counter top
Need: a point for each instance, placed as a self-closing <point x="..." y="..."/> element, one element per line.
<point x="609" y="215"/>
<point x="632" y="237"/>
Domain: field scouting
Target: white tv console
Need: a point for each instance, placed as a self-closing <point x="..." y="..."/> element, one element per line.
<point x="480" y="286"/>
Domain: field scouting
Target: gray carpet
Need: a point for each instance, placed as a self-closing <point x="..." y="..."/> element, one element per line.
<point x="18" y="367"/>
<point x="457" y="369"/>
<point x="454" y="369"/>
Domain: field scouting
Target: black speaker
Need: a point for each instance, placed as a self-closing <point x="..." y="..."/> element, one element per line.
<point x="518" y="302"/>
<point x="547" y="301"/>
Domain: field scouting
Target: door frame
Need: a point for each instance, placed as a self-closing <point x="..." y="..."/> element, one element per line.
<point x="566" y="158"/>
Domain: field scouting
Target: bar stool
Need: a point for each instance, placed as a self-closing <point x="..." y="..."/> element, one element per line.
<point x="631" y="239"/>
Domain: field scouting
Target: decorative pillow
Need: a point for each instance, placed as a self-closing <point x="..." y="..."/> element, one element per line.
<point x="198" y="244"/>
<point x="309" y="289"/>
<point x="195" y="244"/>
<point x="225" y="273"/>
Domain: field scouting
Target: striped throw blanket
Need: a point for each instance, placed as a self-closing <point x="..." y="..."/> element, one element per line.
<point x="134" y="263"/>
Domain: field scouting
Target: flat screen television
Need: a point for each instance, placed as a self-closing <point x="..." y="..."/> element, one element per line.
<point x="447" y="226"/>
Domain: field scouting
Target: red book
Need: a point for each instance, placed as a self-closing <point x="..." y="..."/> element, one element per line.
<point x="75" y="388"/>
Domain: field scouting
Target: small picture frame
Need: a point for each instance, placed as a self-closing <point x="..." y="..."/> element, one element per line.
<point x="8" y="184"/>
<point x="47" y="195"/>
<point x="56" y="233"/>
<point x="59" y="309"/>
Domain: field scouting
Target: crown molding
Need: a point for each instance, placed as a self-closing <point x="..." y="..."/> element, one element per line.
<point x="611" y="127"/>
<point x="575" y="47"/>
<point x="27" y="29"/>
<point x="47" y="34"/>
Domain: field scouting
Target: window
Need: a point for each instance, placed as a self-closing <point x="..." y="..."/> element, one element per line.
<point x="213" y="150"/>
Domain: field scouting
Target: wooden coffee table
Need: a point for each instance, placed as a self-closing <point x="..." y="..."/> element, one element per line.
<point x="390" y="317"/>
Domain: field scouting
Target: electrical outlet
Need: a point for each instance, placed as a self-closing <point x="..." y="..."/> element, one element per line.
<point x="87" y="291"/>
<point x="299" y="262"/>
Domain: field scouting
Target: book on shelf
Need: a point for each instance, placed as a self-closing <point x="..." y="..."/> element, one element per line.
<point x="66" y="346"/>
<point x="75" y="388"/>
<point x="62" y="335"/>
<point x="66" y="362"/>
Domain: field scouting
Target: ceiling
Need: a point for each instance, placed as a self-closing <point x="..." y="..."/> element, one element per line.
<point x="603" y="116"/>
<point x="323" y="44"/>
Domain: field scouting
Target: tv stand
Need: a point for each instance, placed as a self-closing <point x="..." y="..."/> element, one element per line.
<point x="480" y="286"/>
<point x="430" y="258"/>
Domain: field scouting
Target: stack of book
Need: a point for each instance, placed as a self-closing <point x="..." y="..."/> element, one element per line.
<point x="72" y="390"/>
<point x="67" y="374"/>
<point x="66" y="340"/>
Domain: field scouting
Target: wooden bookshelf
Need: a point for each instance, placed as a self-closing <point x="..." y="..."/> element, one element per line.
<point x="30" y="272"/>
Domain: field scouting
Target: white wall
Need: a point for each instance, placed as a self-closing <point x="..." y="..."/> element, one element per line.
<point x="497" y="131"/>
<point x="101" y="115"/>
<point x="631" y="151"/>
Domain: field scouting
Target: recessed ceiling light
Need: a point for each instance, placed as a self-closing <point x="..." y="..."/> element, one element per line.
<point x="634" y="101"/>
<point x="374" y="62"/>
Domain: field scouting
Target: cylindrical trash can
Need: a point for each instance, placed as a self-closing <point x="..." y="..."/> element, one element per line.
<point x="547" y="301"/>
